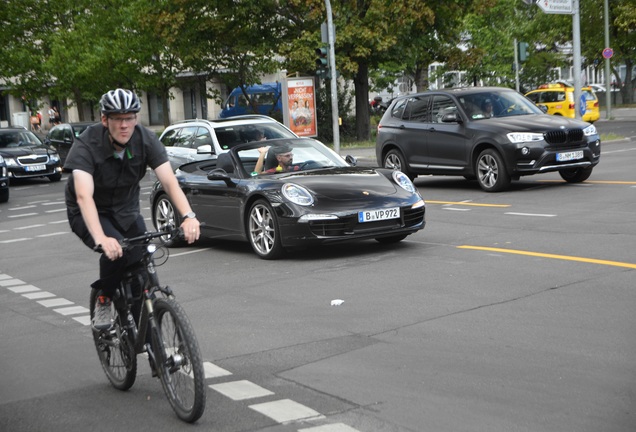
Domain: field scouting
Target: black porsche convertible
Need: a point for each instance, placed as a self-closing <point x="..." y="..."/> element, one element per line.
<point x="319" y="198"/>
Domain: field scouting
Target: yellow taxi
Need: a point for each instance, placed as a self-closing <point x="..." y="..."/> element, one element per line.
<point x="559" y="99"/>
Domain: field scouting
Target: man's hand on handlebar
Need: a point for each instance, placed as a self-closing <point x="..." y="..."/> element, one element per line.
<point x="111" y="248"/>
<point x="191" y="229"/>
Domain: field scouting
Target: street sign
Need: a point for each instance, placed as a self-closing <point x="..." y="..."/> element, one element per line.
<point x="555" y="6"/>
<point x="608" y="53"/>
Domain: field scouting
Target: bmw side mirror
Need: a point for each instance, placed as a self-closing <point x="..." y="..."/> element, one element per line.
<point x="451" y="118"/>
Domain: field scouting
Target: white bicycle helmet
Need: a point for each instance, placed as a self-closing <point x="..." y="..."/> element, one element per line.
<point x="119" y="101"/>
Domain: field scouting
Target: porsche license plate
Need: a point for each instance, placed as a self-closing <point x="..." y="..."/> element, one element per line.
<point x="563" y="157"/>
<point x="377" y="215"/>
<point x="35" y="167"/>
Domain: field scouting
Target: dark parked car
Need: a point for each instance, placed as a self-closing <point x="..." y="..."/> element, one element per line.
<point x="4" y="181"/>
<point x="324" y="199"/>
<point x="26" y="156"/>
<point x="492" y="134"/>
<point x="61" y="137"/>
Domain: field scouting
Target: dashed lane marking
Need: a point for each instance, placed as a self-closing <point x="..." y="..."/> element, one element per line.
<point x="337" y="427"/>
<point x="286" y="410"/>
<point x="241" y="390"/>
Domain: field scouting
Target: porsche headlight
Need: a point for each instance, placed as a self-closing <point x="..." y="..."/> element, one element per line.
<point x="297" y="194"/>
<point x="521" y="137"/>
<point x="590" y="130"/>
<point x="404" y="182"/>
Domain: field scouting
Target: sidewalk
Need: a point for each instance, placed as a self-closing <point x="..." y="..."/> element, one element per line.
<point x="619" y="114"/>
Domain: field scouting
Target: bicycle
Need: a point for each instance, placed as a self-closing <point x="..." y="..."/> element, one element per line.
<point x="147" y="318"/>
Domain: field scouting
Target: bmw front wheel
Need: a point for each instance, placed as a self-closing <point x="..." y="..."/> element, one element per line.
<point x="394" y="159"/>
<point x="491" y="171"/>
<point x="576" y="175"/>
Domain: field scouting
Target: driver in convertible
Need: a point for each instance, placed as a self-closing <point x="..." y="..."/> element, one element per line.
<point x="284" y="156"/>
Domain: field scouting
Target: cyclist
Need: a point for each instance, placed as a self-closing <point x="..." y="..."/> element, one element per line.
<point x="107" y="162"/>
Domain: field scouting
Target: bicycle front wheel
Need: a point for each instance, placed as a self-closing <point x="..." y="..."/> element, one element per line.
<point x="115" y="349"/>
<point x="179" y="360"/>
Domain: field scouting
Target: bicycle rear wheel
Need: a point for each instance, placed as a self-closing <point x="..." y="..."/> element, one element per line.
<point x="115" y="350"/>
<point x="178" y="360"/>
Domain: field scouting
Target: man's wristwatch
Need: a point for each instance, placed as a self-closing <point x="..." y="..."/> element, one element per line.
<point x="189" y="215"/>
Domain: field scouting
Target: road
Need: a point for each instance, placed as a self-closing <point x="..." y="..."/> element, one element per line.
<point x="510" y="311"/>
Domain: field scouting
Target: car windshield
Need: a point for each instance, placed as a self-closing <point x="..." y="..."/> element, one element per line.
<point x="230" y="136"/>
<point x="13" y="139"/>
<point x="482" y="106"/>
<point x="307" y="154"/>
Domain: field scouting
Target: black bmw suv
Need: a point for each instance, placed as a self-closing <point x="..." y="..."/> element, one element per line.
<point x="491" y="134"/>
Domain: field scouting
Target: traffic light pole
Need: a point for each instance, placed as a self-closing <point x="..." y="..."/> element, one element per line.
<point x="334" y="85"/>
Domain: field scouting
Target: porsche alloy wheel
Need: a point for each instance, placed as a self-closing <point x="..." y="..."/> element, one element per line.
<point x="165" y="216"/>
<point x="263" y="232"/>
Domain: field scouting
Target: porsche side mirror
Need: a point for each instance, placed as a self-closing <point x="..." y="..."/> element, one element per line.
<point x="351" y="160"/>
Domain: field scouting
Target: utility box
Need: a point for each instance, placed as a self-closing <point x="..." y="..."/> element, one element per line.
<point x="21" y="119"/>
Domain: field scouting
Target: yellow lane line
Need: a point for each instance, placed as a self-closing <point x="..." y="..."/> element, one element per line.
<point x="543" y="255"/>
<point x="466" y="203"/>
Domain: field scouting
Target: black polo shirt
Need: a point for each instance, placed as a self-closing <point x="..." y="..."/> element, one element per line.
<point x="116" y="178"/>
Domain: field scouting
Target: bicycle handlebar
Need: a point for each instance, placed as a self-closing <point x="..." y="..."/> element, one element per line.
<point x="144" y="238"/>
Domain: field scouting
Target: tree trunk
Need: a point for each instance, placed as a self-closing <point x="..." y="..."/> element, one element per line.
<point x="361" y="83"/>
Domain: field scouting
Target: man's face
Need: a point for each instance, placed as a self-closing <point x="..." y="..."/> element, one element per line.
<point x="120" y="126"/>
<point x="285" y="159"/>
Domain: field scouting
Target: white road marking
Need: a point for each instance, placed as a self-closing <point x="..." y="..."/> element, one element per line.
<point x="38" y="295"/>
<point x="55" y="302"/>
<point x="530" y="214"/>
<point x="286" y="410"/>
<point x="72" y="310"/>
<point x="241" y="390"/>
<point x="213" y="371"/>
<point x="11" y="282"/>
<point x="337" y="427"/>
<point x="24" y="289"/>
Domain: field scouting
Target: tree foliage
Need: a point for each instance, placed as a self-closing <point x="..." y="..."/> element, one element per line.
<point x="76" y="49"/>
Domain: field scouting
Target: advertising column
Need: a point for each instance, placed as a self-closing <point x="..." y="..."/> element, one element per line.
<point x="301" y="107"/>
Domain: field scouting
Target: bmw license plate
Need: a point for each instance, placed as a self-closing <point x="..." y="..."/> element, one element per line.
<point x="562" y="157"/>
<point x="377" y="215"/>
<point x="35" y="167"/>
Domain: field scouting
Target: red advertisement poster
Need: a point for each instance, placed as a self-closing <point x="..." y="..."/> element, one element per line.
<point x="302" y="106"/>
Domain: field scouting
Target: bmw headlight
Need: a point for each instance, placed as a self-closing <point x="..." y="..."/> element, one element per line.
<point x="297" y="194"/>
<point x="590" y="130"/>
<point x="521" y="137"/>
<point x="404" y="182"/>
